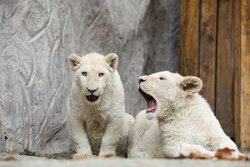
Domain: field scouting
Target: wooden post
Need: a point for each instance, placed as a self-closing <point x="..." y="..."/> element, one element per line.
<point x="237" y="68"/>
<point x="189" y="38"/>
<point x="207" y="60"/>
<point x="245" y="75"/>
<point x="224" y="82"/>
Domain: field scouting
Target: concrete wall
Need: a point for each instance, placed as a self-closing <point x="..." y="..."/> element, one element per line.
<point x="36" y="37"/>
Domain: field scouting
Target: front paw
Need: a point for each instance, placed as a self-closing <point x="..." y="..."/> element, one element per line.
<point x="108" y="156"/>
<point x="83" y="156"/>
<point x="230" y="154"/>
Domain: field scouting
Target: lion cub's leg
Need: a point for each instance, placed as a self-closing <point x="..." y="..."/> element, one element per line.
<point x="79" y="136"/>
<point x="185" y="149"/>
<point x="222" y="142"/>
<point x="111" y="136"/>
<point x="144" y="138"/>
<point x="136" y="145"/>
<point x="225" y="142"/>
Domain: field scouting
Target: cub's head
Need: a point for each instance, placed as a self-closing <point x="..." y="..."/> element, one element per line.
<point x="93" y="73"/>
<point x="163" y="90"/>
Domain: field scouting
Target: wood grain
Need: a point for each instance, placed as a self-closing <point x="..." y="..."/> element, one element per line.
<point x="208" y="34"/>
<point x="237" y="68"/>
<point x="245" y="74"/>
<point x="183" y="33"/>
<point x="224" y="84"/>
<point x="189" y="39"/>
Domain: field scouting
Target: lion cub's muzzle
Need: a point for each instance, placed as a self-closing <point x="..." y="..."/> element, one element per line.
<point x="92" y="98"/>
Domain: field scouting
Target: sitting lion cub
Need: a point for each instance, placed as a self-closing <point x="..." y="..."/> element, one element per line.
<point x="184" y="122"/>
<point x="97" y="117"/>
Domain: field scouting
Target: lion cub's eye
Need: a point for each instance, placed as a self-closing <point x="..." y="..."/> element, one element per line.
<point x="101" y="74"/>
<point x="84" y="74"/>
<point x="161" y="78"/>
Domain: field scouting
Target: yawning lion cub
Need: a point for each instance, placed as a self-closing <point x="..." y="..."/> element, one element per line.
<point x="184" y="123"/>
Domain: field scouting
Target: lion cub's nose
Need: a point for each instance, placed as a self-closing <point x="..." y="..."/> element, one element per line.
<point x="140" y="79"/>
<point x="92" y="90"/>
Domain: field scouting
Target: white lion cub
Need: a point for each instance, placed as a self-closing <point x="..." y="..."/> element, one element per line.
<point x="184" y="122"/>
<point x="97" y="117"/>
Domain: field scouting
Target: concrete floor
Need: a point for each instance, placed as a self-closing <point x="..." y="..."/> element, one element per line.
<point x="28" y="161"/>
<point x="124" y="163"/>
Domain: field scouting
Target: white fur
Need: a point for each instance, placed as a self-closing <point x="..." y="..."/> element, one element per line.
<point x="101" y="126"/>
<point x="183" y="124"/>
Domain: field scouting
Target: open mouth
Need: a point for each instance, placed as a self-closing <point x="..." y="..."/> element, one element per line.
<point x="92" y="98"/>
<point x="151" y="103"/>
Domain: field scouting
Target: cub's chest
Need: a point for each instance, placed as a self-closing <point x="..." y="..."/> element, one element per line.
<point x="95" y="128"/>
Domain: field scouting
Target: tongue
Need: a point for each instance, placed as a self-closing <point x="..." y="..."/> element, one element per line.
<point x="151" y="106"/>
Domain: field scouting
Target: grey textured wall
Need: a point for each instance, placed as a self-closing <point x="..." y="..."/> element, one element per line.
<point x="36" y="36"/>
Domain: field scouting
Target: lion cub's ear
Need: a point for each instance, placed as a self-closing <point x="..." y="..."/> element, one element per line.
<point x="74" y="61"/>
<point x="191" y="84"/>
<point x="112" y="60"/>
